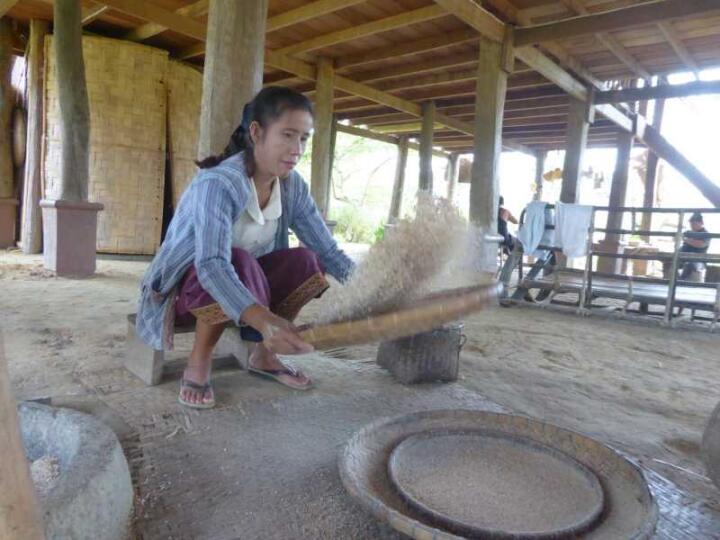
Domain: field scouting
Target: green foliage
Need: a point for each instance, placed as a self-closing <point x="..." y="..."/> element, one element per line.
<point x="379" y="233"/>
<point x="354" y="226"/>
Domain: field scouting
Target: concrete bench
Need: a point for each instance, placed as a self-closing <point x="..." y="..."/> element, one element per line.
<point x="150" y="364"/>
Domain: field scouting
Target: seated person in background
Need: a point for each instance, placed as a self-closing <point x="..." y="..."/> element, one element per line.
<point x="692" y="270"/>
<point x="505" y="216"/>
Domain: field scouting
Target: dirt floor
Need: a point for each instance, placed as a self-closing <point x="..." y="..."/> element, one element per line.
<point x="642" y="388"/>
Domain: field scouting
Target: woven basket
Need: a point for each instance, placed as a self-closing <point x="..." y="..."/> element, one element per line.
<point x="126" y="85"/>
<point x="434" y="310"/>
<point x="184" y="99"/>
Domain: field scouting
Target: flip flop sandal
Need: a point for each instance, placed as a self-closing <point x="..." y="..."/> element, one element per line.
<point x="184" y="383"/>
<point x="275" y="374"/>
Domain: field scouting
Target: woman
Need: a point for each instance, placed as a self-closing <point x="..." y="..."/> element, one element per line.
<point x="225" y="256"/>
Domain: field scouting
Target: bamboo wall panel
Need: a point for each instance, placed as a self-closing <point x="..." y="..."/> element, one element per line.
<point x="184" y="98"/>
<point x="128" y="116"/>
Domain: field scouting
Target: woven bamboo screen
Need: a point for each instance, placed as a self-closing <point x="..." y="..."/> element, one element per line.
<point x="184" y="98"/>
<point x="128" y="105"/>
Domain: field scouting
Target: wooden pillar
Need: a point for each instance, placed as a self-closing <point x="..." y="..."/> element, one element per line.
<point x="19" y="514"/>
<point x="451" y="176"/>
<point x="540" y="156"/>
<point x="73" y="100"/>
<point x="651" y="170"/>
<point x="397" y="194"/>
<point x="489" y="106"/>
<point x="426" y="146"/>
<point x="618" y="192"/>
<point x="8" y="203"/>
<point x="69" y="220"/>
<point x="322" y="136"/>
<point x="233" y="69"/>
<point x="31" y="223"/>
<point x="576" y="141"/>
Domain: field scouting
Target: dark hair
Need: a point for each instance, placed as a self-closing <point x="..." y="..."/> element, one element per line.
<point x="697" y="216"/>
<point x="501" y="200"/>
<point x="267" y="106"/>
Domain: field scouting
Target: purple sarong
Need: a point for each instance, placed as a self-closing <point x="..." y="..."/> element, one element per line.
<point x="284" y="281"/>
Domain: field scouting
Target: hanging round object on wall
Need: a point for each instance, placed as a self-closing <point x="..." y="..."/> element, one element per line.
<point x="19" y="134"/>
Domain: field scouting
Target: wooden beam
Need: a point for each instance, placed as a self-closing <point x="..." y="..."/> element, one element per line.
<point x="610" y="43"/>
<point x="672" y="38"/>
<point x="370" y="134"/>
<point x="451" y="176"/>
<point x="294" y="16"/>
<point x="307" y="71"/>
<point x="6" y="5"/>
<point x="31" y="221"/>
<point x="617" y="19"/>
<point x="7" y="97"/>
<point x="90" y="14"/>
<point x="399" y="181"/>
<point x="651" y="170"/>
<point x="322" y="137"/>
<point x="577" y="134"/>
<point x="233" y="70"/>
<point x="540" y="157"/>
<point x="615" y="47"/>
<point x="491" y="87"/>
<point x="148" y="30"/>
<point x="152" y="13"/>
<point x="485" y="23"/>
<point x="21" y="516"/>
<point x="478" y="18"/>
<point x="664" y="91"/>
<point x="425" y="182"/>
<point x="307" y="12"/>
<point x="428" y="44"/>
<point x="363" y="30"/>
<point x="75" y="107"/>
<point x="551" y="71"/>
<point x="660" y="146"/>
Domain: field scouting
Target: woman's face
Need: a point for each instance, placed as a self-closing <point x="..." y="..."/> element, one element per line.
<point x="280" y="145"/>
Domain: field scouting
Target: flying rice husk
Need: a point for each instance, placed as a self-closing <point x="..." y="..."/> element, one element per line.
<point x="397" y="269"/>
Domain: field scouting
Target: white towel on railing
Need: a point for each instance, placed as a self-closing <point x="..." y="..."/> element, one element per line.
<point x="572" y="222"/>
<point x="533" y="228"/>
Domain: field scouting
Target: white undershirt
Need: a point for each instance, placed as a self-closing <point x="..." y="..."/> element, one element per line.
<point x="255" y="229"/>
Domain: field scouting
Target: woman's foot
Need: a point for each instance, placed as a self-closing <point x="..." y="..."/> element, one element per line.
<point x="195" y="389"/>
<point x="263" y="362"/>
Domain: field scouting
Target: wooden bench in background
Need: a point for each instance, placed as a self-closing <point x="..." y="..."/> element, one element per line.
<point x="150" y="364"/>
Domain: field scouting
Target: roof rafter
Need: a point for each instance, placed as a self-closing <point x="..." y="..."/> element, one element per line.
<point x="616" y="19"/>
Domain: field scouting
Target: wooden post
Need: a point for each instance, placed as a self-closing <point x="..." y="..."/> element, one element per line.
<point x="451" y="176"/>
<point x="69" y="220"/>
<point x="618" y="192"/>
<point x="651" y="171"/>
<point x="322" y="137"/>
<point x="396" y="202"/>
<point x="576" y="141"/>
<point x="233" y="68"/>
<point x="31" y="232"/>
<point x="73" y="100"/>
<point x="8" y="203"/>
<point x="19" y="514"/>
<point x="489" y="106"/>
<point x="539" y="168"/>
<point x="426" y="146"/>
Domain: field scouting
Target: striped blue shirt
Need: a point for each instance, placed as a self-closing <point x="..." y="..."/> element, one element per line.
<point x="201" y="232"/>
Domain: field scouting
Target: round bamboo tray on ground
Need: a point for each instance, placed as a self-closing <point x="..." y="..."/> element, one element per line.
<point x="425" y="314"/>
<point x="630" y="511"/>
<point x="711" y="446"/>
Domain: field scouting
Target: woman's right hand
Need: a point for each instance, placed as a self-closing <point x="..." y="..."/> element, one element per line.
<point x="279" y="335"/>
